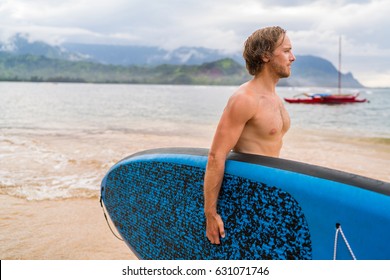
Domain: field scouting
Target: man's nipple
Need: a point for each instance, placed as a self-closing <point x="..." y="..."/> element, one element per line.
<point x="273" y="131"/>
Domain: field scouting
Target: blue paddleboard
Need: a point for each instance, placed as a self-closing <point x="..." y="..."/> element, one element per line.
<point x="272" y="208"/>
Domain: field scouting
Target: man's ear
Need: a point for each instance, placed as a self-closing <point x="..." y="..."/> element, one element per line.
<point x="266" y="58"/>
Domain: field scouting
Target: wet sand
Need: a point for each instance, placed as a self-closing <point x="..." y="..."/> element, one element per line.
<point x="70" y="229"/>
<point x="75" y="228"/>
<point x="364" y="156"/>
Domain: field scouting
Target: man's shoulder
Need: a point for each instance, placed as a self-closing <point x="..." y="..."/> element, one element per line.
<point x="245" y="91"/>
<point x="243" y="100"/>
<point x="243" y="95"/>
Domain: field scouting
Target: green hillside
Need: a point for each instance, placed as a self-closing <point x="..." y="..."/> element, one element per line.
<point x="43" y="69"/>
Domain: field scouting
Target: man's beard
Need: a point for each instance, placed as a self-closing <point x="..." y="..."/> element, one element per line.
<point x="281" y="71"/>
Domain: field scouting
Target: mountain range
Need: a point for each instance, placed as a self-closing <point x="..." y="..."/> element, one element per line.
<point x="22" y="59"/>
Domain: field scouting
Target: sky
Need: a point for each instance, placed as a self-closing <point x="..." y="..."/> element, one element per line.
<point x="314" y="26"/>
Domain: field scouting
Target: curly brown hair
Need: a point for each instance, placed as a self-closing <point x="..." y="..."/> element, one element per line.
<point x="260" y="45"/>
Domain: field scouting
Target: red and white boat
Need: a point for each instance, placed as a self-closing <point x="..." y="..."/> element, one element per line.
<point x="325" y="98"/>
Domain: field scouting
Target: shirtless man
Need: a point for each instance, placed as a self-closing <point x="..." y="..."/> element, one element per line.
<point x="254" y="120"/>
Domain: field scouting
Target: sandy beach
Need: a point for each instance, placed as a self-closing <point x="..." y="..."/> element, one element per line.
<point x="71" y="229"/>
<point x="75" y="228"/>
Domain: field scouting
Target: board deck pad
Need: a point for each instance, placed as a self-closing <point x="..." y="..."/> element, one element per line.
<point x="272" y="208"/>
<point x="165" y="204"/>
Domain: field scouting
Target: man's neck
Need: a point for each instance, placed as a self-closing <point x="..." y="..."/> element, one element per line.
<point x="266" y="82"/>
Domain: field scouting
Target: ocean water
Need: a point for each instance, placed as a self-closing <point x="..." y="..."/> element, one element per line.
<point x="165" y="108"/>
<point x="58" y="140"/>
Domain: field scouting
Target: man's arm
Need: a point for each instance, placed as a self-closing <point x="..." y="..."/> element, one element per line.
<point x="238" y="111"/>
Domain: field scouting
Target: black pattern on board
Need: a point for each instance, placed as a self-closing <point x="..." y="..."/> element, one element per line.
<point x="158" y="209"/>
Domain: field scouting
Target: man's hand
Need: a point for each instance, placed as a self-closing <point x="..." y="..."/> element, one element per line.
<point x="214" y="228"/>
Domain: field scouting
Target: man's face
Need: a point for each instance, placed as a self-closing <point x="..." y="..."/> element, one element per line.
<point x="282" y="58"/>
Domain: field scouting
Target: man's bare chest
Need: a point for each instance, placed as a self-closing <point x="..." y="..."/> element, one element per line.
<point x="273" y="120"/>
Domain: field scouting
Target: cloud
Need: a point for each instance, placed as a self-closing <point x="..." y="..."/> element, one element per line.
<point x="313" y="26"/>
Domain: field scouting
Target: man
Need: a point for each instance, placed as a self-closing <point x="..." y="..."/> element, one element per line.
<point x="254" y="120"/>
